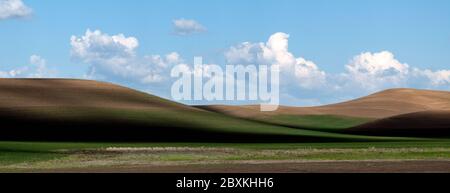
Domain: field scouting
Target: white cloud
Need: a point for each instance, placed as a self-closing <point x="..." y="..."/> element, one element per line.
<point x="173" y="58"/>
<point x="39" y="68"/>
<point x="114" y="58"/>
<point x="15" y="73"/>
<point x="441" y="77"/>
<point x="36" y="69"/>
<point x="308" y="74"/>
<point x="275" y="51"/>
<point x="96" y="46"/>
<point x="435" y="78"/>
<point x="244" y="53"/>
<point x="376" y="64"/>
<point x="374" y="71"/>
<point x="187" y="27"/>
<point x="378" y="71"/>
<point x="13" y="9"/>
<point x="37" y="60"/>
<point x="365" y="73"/>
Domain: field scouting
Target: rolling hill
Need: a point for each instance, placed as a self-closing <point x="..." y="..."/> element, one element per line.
<point x="379" y="105"/>
<point x="26" y="93"/>
<point x="82" y="110"/>
<point x="336" y="117"/>
<point x="420" y="124"/>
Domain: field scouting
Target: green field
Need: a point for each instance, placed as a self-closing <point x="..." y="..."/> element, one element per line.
<point x="31" y="156"/>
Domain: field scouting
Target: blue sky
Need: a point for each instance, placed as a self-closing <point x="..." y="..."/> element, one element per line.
<point x="330" y="34"/>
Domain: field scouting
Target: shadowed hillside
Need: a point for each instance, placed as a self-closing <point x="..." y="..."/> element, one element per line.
<point x="421" y="124"/>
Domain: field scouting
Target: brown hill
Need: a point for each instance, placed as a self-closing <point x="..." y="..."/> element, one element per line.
<point x="63" y="109"/>
<point x="20" y="93"/>
<point x="379" y="105"/>
<point x="421" y="124"/>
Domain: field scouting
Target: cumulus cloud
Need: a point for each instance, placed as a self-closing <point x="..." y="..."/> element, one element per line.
<point x="275" y="51"/>
<point x="441" y="77"/>
<point x="436" y="78"/>
<point x="37" y="68"/>
<point x="15" y="73"/>
<point x="37" y="60"/>
<point x="376" y="64"/>
<point x="185" y="27"/>
<point x="378" y="71"/>
<point x="114" y="58"/>
<point x="308" y="74"/>
<point x="373" y="71"/>
<point x="365" y="73"/>
<point x="245" y="53"/>
<point x="13" y="9"/>
<point x="96" y="46"/>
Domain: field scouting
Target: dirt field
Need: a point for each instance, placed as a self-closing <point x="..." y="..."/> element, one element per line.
<point x="281" y="167"/>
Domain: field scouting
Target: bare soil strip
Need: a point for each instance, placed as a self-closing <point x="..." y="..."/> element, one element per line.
<point x="423" y="166"/>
